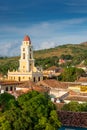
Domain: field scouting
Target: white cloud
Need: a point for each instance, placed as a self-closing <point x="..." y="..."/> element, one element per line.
<point x="46" y="45"/>
<point x="43" y="35"/>
<point x="9" y="49"/>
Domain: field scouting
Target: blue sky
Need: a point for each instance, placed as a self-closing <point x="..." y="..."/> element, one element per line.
<point x="49" y="23"/>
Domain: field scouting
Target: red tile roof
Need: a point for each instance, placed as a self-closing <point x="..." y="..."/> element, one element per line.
<point x="10" y="83"/>
<point x="29" y="86"/>
<point x="53" y="83"/>
<point x="77" y="98"/>
<point x="71" y="92"/>
<point x="52" y="68"/>
<point x="26" y="38"/>
<point x="82" y="79"/>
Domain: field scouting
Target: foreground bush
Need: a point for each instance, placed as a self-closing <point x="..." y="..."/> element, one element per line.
<point x="31" y="111"/>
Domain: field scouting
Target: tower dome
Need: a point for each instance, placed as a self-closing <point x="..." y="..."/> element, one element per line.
<point x="26" y="38"/>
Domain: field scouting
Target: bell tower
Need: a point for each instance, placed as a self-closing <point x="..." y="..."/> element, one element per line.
<point x="27" y="70"/>
<point x="26" y="62"/>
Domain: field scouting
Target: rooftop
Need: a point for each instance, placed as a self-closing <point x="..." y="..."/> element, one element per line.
<point x="76" y="98"/>
<point x="26" y="38"/>
<point x="53" y="84"/>
<point x="82" y="79"/>
<point x="10" y="82"/>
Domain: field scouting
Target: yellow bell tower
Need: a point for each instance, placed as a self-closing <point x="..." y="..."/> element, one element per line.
<point x="26" y="62"/>
<point x="27" y="70"/>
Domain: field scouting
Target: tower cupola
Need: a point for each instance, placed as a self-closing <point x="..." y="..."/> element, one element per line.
<point x="27" y="40"/>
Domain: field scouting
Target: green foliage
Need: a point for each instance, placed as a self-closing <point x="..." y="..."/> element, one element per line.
<point x="6" y="101"/>
<point x="85" y="62"/>
<point x="71" y="74"/>
<point x="72" y="106"/>
<point x="66" y="57"/>
<point x="32" y="111"/>
<point x="83" y="107"/>
<point x="75" y="107"/>
<point x="49" y="57"/>
<point x="8" y="64"/>
<point x="47" y="62"/>
<point x="5" y="123"/>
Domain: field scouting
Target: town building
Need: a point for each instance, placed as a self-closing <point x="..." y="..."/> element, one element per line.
<point x="57" y="90"/>
<point x="52" y="71"/>
<point x="8" y="86"/>
<point x="61" y="61"/>
<point x="27" y="70"/>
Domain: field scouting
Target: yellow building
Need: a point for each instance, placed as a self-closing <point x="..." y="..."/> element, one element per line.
<point x="27" y="70"/>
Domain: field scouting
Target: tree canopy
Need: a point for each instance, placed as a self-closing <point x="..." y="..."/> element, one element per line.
<point x="31" y="111"/>
<point x="71" y="74"/>
<point x="5" y="101"/>
<point x="75" y="107"/>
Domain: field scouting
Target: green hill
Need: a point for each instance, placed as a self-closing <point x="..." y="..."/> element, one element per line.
<point x="72" y="49"/>
<point x="49" y="57"/>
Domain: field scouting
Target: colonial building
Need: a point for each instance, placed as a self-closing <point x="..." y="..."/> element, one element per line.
<point x="8" y="86"/>
<point x="27" y="69"/>
<point x="52" y="71"/>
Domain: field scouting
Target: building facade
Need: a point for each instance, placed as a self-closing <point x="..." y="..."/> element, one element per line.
<point x="8" y="86"/>
<point x="27" y="70"/>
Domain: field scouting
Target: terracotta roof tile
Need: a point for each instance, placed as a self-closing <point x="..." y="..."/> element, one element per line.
<point x="10" y="82"/>
<point x="52" y="68"/>
<point x="77" y="98"/>
<point x="29" y="86"/>
<point x="26" y="38"/>
<point x="53" y="83"/>
<point x="82" y="79"/>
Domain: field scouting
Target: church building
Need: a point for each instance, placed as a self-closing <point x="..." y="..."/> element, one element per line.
<point x="27" y="70"/>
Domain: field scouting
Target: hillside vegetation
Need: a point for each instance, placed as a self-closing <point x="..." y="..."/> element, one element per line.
<point x="72" y="49"/>
<point x="49" y="57"/>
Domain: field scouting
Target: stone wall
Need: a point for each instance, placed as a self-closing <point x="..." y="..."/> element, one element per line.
<point x="76" y="119"/>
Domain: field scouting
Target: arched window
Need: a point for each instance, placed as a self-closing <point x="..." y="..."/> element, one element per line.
<point x="11" y="88"/>
<point x="6" y="88"/>
<point x="30" y="56"/>
<point x="19" y="78"/>
<point x="23" y="49"/>
<point x="38" y="78"/>
<point x="30" y="49"/>
<point x="30" y="66"/>
<point x="23" y="55"/>
<point x="34" y="79"/>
